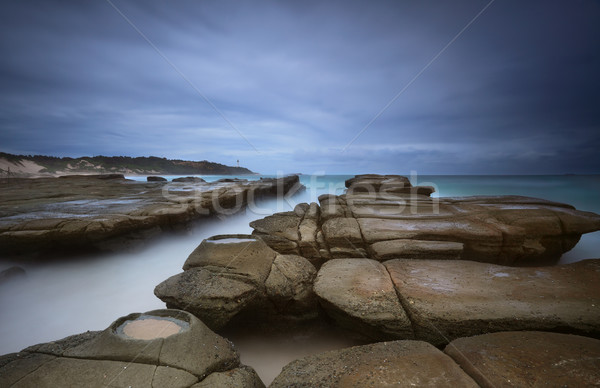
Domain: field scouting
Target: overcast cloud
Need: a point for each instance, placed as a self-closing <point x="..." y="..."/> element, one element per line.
<point x="517" y="92"/>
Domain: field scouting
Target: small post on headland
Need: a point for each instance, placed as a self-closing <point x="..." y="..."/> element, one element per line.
<point x="238" y="162"/>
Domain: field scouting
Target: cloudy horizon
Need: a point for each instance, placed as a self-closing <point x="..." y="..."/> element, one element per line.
<point x="304" y="86"/>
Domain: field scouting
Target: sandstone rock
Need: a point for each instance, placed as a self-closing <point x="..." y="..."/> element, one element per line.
<point x="416" y="249"/>
<point x="528" y="359"/>
<point x="279" y="244"/>
<point x="98" y="212"/>
<point x="119" y="357"/>
<point x="280" y="224"/>
<point x="359" y="295"/>
<point x="156" y="179"/>
<point x="187" y="179"/>
<point x="290" y="286"/>
<point x="398" y="364"/>
<point x="495" y="229"/>
<point x="307" y="231"/>
<point x="212" y="294"/>
<point x="225" y="275"/>
<point x="332" y="206"/>
<point x="242" y="255"/>
<point x="342" y="232"/>
<point x="450" y="299"/>
<point x="14" y="367"/>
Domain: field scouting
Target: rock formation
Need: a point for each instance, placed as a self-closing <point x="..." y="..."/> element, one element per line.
<point x="528" y="359"/>
<point x="165" y="348"/>
<point x="394" y="263"/>
<point x="84" y="212"/>
<point x="385" y="217"/>
<point x="506" y="359"/>
<point x="230" y="274"/>
<point x="384" y="261"/>
<point x="385" y="364"/>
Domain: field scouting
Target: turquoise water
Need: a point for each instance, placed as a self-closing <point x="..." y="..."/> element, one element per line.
<point x="88" y="293"/>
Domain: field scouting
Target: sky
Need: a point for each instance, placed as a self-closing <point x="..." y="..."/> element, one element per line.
<point x="434" y="87"/>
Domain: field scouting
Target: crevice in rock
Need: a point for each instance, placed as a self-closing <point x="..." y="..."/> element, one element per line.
<point x="154" y="376"/>
<point x="405" y="305"/>
<point x="38" y="367"/>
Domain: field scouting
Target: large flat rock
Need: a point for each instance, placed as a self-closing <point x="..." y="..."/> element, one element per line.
<point x="85" y="212"/>
<point x="385" y="364"/>
<point x="241" y="255"/>
<point x="451" y="299"/>
<point x="528" y="359"/>
<point x="380" y="215"/>
<point x="359" y="295"/>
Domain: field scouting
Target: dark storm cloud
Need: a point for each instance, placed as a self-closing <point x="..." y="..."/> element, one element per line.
<point x="517" y="92"/>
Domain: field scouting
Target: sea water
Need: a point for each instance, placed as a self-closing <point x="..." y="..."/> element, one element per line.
<point x="57" y="299"/>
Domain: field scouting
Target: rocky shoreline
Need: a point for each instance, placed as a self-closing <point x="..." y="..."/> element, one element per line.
<point x="448" y="291"/>
<point x="88" y="212"/>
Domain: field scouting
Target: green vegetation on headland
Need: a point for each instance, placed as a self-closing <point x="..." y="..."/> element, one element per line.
<point x="113" y="164"/>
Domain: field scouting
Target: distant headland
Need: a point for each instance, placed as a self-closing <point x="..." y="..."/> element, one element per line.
<point x="40" y="165"/>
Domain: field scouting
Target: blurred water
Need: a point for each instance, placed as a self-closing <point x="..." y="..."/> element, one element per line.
<point x="88" y="293"/>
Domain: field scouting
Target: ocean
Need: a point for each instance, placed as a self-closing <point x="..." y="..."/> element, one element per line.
<point x="58" y="299"/>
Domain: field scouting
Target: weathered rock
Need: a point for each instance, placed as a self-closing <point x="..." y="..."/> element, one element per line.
<point x="14" y="367"/>
<point x="451" y="299"/>
<point x="280" y="224"/>
<point x="528" y="359"/>
<point x="166" y="348"/>
<point x="380" y="213"/>
<point x="156" y="179"/>
<point x="307" y="232"/>
<point x="385" y="364"/>
<point x="416" y="249"/>
<point x="188" y="179"/>
<point x="290" y="286"/>
<point x="223" y="276"/>
<point x="242" y="255"/>
<point x="359" y="295"/>
<point x="90" y="212"/>
<point x="213" y="295"/>
<point x="342" y="233"/>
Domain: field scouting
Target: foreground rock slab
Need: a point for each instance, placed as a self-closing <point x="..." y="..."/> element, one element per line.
<point x="359" y="295"/>
<point x="451" y="299"/>
<point x="160" y="348"/>
<point x="88" y="212"/>
<point x="528" y="359"/>
<point x="385" y="364"/>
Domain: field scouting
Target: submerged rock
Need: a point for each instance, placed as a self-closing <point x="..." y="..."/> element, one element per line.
<point x="151" y="354"/>
<point x="11" y="273"/>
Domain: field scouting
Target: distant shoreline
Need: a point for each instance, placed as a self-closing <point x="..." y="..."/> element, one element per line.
<point x="37" y="166"/>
